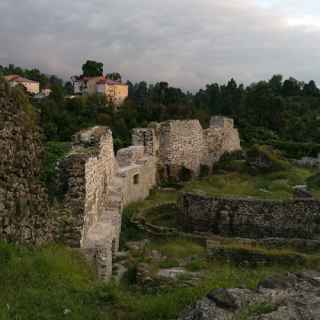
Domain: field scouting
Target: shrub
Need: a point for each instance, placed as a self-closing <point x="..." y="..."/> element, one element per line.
<point x="295" y="150"/>
<point x="54" y="151"/>
<point x="314" y="181"/>
<point x="232" y="161"/>
<point x="266" y="159"/>
<point x="204" y="171"/>
<point x="185" y="174"/>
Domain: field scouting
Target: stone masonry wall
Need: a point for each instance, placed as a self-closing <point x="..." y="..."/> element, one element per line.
<point x="138" y="174"/>
<point x="219" y="138"/>
<point x="180" y="144"/>
<point x="24" y="210"/>
<point x="95" y="186"/>
<point x="250" y="218"/>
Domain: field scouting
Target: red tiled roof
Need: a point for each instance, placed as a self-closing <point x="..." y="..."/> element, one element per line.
<point x="19" y="79"/>
<point x="109" y="82"/>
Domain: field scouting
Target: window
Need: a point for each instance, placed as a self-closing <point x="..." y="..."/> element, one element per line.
<point x="136" y="179"/>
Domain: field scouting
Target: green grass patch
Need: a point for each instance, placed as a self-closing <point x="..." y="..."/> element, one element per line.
<point x="177" y="248"/>
<point x="56" y="283"/>
<point x="275" y="185"/>
<point x="54" y="151"/>
<point x="48" y="283"/>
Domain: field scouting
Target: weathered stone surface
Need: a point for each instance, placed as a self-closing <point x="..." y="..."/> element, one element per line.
<point x="302" y="192"/>
<point x="254" y="218"/>
<point x="223" y="299"/>
<point x="185" y="145"/>
<point x="24" y="214"/>
<point x="287" y="297"/>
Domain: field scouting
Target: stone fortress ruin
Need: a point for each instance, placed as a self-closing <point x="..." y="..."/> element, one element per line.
<point x="95" y="184"/>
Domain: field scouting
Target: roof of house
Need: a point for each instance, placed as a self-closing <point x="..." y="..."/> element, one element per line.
<point x="109" y="82"/>
<point x="18" y="79"/>
<point x="101" y="80"/>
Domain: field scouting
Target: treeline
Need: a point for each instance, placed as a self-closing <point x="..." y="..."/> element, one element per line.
<point x="282" y="112"/>
<point x="268" y="111"/>
<point x="46" y="81"/>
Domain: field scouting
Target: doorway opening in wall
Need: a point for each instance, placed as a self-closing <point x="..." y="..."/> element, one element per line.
<point x="136" y="179"/>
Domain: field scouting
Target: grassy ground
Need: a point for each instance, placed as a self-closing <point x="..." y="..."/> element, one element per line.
<point x="48" y="283"/>
<point x="56" y="283"/>
<point x="277" y="185"/>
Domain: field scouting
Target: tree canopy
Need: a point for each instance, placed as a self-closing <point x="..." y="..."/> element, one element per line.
<point x="92" y="69"/>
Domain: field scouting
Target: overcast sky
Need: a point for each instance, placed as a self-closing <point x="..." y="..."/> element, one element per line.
<point x="186" y="42"/>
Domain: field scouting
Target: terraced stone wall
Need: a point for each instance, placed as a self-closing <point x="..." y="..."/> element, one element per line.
<point x="250" y="218"/>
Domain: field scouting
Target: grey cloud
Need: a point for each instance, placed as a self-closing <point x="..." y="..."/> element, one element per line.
<point x="186" y="42"/>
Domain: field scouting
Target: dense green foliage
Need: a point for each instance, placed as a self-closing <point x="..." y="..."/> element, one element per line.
<point x="32" y="74"/>
<point x="92" y="69"/>
<point x="285" y="114"/>
<point x="54" y="151"/>
<point x="282" y="113"/>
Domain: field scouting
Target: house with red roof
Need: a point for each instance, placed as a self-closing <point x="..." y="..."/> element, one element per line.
<point x="33" y="87"/>
<point x="115" y="91"/>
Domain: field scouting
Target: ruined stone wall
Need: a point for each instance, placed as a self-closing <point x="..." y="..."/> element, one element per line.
<point x="84" y="176"/>
<point x="184" y="144"/>
<point x="24" y="214"/>
<point x="137" y="172"/>
<point x="148" y="138"/>
<point x="219" y="138"/>
<point x="181" y="145"/>
<point x="250" y="218"/>
<point x="95" y="186"/>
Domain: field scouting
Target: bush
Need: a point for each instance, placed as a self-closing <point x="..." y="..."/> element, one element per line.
<point x="185" y="174"/>
<point x="232" y="162"/>
<point x="266" y="159"/>
<point x="204" y="171"/>
<point x="54" y="151"/>
<point x="314" y="181"/>
<point x="295" y="150"/>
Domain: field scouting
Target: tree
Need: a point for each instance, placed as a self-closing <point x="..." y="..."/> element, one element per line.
<point x="92" y="69"/>
<point x="310" y="89"/>
<point x="276" y="83"/>
<point x="115" y="76"/>
<point x="291" y="87"/>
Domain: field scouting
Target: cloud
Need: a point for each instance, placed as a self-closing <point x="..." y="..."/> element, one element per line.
<point x="186" y="42"/>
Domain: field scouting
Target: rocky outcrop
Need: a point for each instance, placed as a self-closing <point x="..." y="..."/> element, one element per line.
<point x="23" y="199"/>
<point x="294" y="296"/>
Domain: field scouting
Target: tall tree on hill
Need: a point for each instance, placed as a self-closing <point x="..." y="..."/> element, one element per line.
<point x="115" y="76"/>
<point x="92" y="69"/>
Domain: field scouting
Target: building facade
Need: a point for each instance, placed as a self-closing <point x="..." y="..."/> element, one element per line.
<point x="32" y="87"/>
<point x="115" y="91"/>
